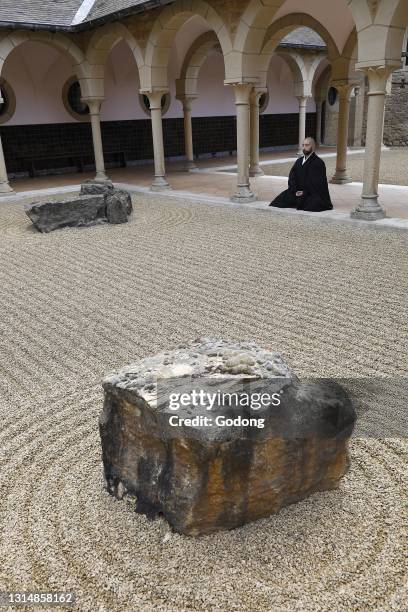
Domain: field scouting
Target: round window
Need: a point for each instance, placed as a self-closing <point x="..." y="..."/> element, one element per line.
<point x="71" y="98"/>
<point x="332" y="96"/>
<point x="8" y="104"/>
<point x="165" y="103"/>
<point x="5" y="103"/>
<point x="263" y="102"/>
<point x="74" y="99"/>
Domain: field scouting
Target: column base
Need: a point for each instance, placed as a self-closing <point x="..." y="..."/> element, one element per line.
<point x="243" y="195"/>
<point x="101" y="178"/>
<point x="6" y="190"/>
<point x="160" y="184"/>
<point x="256" y="171"/>
<point x="369" y="209"/>
<point x="190" y="165"/>
<point x="341" y="178"/>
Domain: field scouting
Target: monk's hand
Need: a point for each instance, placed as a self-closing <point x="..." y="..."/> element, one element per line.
<point x="299" y="194"/>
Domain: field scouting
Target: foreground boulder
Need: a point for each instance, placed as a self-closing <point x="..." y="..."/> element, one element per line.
<point x="222" y="457"/>
<point x="98" y="202"/>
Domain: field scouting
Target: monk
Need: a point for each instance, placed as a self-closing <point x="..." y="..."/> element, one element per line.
<point x="308" y="188"/>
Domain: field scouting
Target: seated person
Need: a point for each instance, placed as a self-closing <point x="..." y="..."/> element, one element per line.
<point x="308" y="188"/>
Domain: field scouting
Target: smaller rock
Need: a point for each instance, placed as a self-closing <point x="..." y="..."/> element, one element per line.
<point x="118" y="206"/>
<point x="93" y="187"/>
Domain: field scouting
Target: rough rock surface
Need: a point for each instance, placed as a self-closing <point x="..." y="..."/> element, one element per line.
<point x="93" y="187"/>
<point x="118" y="206"/>
<point x="98" y="202"/>
<point x="82" y="210"/>
<point x="205" y="478"/>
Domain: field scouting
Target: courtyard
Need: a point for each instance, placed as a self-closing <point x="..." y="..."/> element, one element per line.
<point x="329" y="296"/>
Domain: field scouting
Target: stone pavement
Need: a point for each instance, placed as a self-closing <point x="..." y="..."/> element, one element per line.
<point x="214" y="181"/>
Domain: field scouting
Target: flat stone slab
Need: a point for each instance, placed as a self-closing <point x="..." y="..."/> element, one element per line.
<point x="252" y="439"/>
<point x="97" y="203"/>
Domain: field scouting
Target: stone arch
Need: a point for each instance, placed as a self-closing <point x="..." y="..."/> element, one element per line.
<point x="170" y="20"/>
<point x="380" y="28"/>
<point x="299" y="72"/>
<point x="187" y="84"/>
<point x="321" y="84"/>
<point x="396" y="31"/>
<point x="100" y="45"/>
<point x="280" y="28"/>
<point x="55" y="39"/>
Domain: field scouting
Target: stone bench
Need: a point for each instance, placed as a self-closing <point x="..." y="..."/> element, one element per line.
<point x="206" y="476"/>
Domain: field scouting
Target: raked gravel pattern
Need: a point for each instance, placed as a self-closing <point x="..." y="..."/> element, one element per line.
<point x="393" y="169"/>
<point x="79" y="303"/>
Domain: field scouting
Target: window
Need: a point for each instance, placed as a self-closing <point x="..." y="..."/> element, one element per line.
<point x="332" y="96"/>
<point x="263" y="102"/>
<point x="8" y="106"/>
<point x="71" y="97"/>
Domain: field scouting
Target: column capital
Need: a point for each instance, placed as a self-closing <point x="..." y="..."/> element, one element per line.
<point x="344" y="86"/>
<point x="94" y="104"/>
<point x="377" y="78"/>
<point x="242" y="92"/>
<point x="186" y="100"/>
<point x="256" y="94"/>
<point x="303" y="100"/>
<point x="155" y="97"/>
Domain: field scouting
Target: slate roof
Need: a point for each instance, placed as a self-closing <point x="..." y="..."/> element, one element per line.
<point x="303" y="37"/>
<point x="80" y="14"/>
<point x="69" y="14"/>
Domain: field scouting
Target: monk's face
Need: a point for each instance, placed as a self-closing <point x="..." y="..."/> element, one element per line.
<point x="307" y="147"/>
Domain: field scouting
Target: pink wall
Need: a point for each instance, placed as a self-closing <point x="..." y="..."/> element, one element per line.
<point x="38" y="72"/>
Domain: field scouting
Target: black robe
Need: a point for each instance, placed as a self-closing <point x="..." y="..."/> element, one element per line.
<point x="312" y="180"/>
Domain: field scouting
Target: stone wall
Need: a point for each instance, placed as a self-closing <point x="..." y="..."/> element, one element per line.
<point x="396" y="112"/>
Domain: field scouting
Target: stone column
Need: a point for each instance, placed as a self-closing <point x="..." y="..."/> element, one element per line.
<point x="341" y="177"/>
<point x="243" y="193"/>
<point x="369" y="207"/>
<point x="319" y="103"/>
<point x="302" y="121"/>
<point x="254" y="167"/>
<point x="5" y="188"/>
<point x="95" y="113"/>
<point x="160" y="182"/>
<point x="188" y="131"/>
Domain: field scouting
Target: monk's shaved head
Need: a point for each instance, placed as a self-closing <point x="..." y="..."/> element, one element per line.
<point x="310" y="142"/>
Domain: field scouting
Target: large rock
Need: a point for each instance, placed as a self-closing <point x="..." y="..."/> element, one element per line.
<point x="229" y="464"/>
<point x="98" y="202"/>
<point x="79" y="211"/>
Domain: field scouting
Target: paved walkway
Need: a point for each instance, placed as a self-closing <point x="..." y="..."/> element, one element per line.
<point x="215" y="180"/>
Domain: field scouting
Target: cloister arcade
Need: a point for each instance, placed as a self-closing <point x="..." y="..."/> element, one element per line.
<point x="363" y="38"/>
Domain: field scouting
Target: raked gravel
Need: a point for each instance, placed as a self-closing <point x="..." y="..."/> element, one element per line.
<point x="78" y="303"/>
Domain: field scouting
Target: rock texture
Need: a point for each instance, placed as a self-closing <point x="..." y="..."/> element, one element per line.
<point x="205" y="478"/>
<point x="98" y="202"/>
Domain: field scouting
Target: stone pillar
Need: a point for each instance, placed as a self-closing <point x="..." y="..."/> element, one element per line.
<point x="254" y="167"/>
<point x="341" y="177"/>
<point x="359" y="115"/>
<point x="5" y="188"/>
<point x="160" y="182"/>
<point x="243" y="193"/>
<point x="319" y="103"/>
<point x="302" y="121"/>
<point x="188" y="131"/>
<point x="369" y="207"/>
<point x="95" y="113"/>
